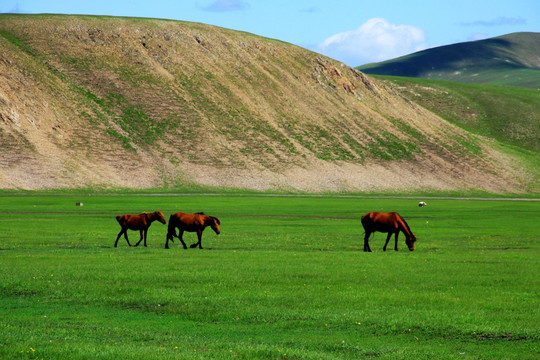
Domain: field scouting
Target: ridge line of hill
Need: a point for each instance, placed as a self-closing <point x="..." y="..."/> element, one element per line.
<point x="512" y="59"/>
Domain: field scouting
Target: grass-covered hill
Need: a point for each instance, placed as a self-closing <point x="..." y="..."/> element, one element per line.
<point x="124" y="102"/>
<point x="512" y="59"/>
<point x="509" y="114"/>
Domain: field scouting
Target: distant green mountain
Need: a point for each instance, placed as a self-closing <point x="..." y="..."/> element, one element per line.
<point x="512" y="59"/>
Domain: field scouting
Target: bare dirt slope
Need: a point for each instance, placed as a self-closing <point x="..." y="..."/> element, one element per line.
<point x="139" y="103"/>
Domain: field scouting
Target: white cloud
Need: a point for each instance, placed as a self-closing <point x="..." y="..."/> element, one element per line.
<point x="226" y="5"/>
<point x="375" y="40"/>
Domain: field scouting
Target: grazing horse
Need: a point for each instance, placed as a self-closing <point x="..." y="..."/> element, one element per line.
<point x="192" y="223"/>
<point x="139" y="222"/>
<point x="391" y="223"/>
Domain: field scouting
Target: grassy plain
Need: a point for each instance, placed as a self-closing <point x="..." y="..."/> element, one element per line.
<point x="286" y="279"/>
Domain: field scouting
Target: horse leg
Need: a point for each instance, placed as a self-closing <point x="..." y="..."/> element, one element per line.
<point x="145" y="235"/>
<point x="180" y="237"/>
<point x="198" y="243"/>
<point x="387" y="240"/>
<point x="395" y="247"/>
<point x="118" y="237"/>
<point x="169" y="236"/>
<point x="366" y="242"/>
<point x="126" y="237"/>
<point x="199" y="235"/>
<point x="141" y="232"/>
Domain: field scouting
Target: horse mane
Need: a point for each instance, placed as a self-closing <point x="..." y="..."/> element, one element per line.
<point x="211" y="217"/>
<point x="405" y="223"/>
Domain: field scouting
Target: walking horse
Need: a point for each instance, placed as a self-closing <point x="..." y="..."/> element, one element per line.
<point x="191" y="223"/>
<point x="139" y="222"/>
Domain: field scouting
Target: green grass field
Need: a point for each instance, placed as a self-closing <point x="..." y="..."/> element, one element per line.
<point x="286" y="279"/>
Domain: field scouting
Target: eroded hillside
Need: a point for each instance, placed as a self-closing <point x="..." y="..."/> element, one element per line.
<point x="123" y="102"/>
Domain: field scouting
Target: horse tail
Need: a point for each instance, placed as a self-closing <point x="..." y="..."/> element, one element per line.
<point x="172" y="227"/>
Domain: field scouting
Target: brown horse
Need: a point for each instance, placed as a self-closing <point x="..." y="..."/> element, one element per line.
<point x="191" y="223"/>
<point x="391" y="223"/>
<point x="139" y="222"/>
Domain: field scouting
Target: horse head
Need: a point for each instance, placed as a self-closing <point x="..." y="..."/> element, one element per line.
<point x="410" y="240"/>
<point x="158" y="215"/>
<point x="214" y="224"/>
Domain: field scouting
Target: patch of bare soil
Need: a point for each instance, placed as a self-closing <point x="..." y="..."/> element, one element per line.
<point x="322" y="176"/>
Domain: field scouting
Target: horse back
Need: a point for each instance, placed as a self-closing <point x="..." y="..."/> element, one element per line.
<point x="133" y="222"/>
<point x="381" y="221"/>
<point x="187" y="222"/>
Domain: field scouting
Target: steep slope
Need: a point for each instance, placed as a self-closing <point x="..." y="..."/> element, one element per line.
<point x="123" y="102"/>
<point x="512" y="59"/>
<point x="508" y="114"/>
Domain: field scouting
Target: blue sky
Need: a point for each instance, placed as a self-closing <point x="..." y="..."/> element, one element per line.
<point x="352" y="31"/>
